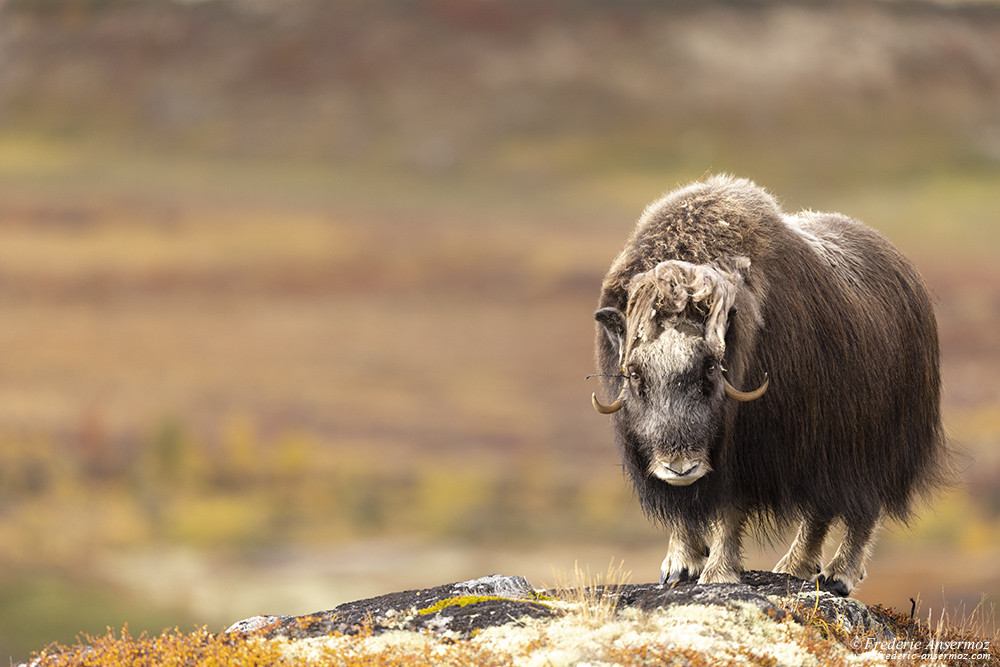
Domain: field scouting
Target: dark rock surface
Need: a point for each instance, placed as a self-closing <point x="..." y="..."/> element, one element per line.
<point x="757" y="588"/>
<point x="479" y="603"/>
<point x="458" y="609"/>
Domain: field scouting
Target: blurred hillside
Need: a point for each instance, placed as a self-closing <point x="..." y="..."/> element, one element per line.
<point x="297" y="296"/>
<point x="446" y="85"/>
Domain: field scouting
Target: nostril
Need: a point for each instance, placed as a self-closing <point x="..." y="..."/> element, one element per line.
<point x="683" y="472"/>
<point x="679" y="471"/>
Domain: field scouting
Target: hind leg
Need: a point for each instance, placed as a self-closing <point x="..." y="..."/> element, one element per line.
<point x="847" y="568"/>
<point x="686" y="556"/>
<point x="803" y="559"/>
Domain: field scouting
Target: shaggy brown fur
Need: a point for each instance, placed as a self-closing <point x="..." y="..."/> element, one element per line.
<point x="849" y="428"/>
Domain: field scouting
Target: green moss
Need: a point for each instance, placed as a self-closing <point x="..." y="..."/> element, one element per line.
<point x="459" y="601"/>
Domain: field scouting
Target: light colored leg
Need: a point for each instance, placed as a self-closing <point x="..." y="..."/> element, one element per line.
<point x="847" y="568"/>
<point x="725" y="558"/>
<point x="686" y="555"/>
<point x="804" y="558"/>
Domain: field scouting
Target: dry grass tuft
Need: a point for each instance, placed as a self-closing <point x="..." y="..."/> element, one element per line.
<point x="593" y="597"/>
<point x="905" y="640"/>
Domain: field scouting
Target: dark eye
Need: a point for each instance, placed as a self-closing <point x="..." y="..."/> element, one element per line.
<point x="711" y="371"/>
<point x="634" y="375"/>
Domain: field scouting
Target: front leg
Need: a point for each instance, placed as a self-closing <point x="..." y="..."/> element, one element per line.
<point x="686" y="556"/>
<point x="725" y="558"/>
<point x="804" y="556"/>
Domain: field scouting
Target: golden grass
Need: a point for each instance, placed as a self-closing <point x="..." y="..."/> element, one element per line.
<point x="168" y="649"/>
<point x="953" y="639"/>
<point x="594" y="596"/>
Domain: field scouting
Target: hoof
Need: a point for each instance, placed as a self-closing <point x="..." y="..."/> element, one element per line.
<point x="806" y="572"/>
<point x="719" y="577"/>
<point x="833" y="585"/>
<point x="675" y="577"/>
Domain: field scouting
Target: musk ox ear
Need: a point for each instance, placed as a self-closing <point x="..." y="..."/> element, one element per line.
<point x="613" y="321"/>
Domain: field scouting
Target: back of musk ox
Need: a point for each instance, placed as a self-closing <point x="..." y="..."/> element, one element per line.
<point x="768" y="368"/>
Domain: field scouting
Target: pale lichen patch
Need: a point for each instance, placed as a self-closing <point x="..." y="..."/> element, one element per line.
<point x="733" y="634"/>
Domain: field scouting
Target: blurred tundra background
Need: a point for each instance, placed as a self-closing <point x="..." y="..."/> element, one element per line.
<point x="296" y="296"/>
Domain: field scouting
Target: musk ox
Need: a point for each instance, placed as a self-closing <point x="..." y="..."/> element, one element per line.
<point x="832" y="331"/>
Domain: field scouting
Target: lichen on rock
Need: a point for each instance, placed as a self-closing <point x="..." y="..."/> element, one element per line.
<point x="766" y="618"/>
<point x="453" y="610"/>
<point x="756" y="620"/>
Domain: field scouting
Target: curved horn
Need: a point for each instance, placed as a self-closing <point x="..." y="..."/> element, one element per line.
<point x="608" y="409"/>
<point x="744" y="396"/>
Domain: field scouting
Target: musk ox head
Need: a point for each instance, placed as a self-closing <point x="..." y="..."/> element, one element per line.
<point x="671" y="344"/>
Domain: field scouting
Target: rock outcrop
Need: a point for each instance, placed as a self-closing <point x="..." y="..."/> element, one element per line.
<point x="766" y="618"/>
<point x="454" y="610"/>
<point x="769" y="617"/>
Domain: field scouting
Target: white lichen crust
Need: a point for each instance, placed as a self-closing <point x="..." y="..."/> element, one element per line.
<point x="720" y="634"/>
